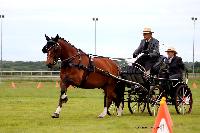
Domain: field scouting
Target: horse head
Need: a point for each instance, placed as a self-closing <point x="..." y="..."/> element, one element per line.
<point x="53" y="50"/>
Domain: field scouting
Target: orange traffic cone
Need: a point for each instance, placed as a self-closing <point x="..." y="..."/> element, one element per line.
<point x="57" y="84"/>
<point x="163" y="122"/>
<point x="39" y="85"/>
<point x="194" y="85"/>
<point x="13" y="85"/>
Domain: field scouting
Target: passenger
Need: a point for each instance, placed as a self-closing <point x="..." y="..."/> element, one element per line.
<point x="175" y="64"/>
<point x="149" y="46"/>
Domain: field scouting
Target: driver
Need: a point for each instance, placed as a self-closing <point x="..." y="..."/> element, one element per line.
<point x="149" y="46"/>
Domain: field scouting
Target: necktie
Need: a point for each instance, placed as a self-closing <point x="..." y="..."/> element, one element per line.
<point x="146" y="45"/>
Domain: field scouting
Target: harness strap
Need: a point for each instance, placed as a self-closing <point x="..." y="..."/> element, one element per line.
<point x="87" y="69"/>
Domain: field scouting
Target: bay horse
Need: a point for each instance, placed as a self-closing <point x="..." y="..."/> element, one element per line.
<point x="81" y="70"/>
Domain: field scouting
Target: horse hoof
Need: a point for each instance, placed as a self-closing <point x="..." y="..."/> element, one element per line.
<point x="119" y="115"/>
<point x="108" y="113"/>
<point x="55" y="115"/>
<point x="100" y="117"/>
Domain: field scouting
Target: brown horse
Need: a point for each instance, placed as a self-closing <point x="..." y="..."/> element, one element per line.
<point x="79" y="69"/>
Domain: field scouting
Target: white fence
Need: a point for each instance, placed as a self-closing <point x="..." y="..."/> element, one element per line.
<point x="196" y="75"/>
<point x="29" y="75"/>
<point x="43" y="75"/>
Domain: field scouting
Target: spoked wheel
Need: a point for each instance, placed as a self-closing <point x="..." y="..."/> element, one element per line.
<point x="112" y="110"/>
<point x="153" y="100"/>
<point x="136" y="104"/>
<point x="183" y="97"/>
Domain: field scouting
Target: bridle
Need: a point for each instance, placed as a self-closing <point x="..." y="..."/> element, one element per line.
<point x="54" y="46"/>
<point x="65" y="61"/>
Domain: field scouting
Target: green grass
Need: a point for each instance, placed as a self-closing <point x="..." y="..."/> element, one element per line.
<point x="27" y="109"/>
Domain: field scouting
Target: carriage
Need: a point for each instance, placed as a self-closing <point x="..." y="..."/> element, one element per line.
<point x="131" y="84"/>
<point x="176" y="91"/>
<point x="146" y="90"/>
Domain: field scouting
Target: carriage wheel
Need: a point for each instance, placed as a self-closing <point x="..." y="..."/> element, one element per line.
<point x="183" y="97"/>
<point x="112" y="110"/>
<point x="153" y="100"/>
<point x="137" y="105"/>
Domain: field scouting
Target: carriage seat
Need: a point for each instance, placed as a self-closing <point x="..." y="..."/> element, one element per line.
<point x="160" y="67"/>
<point x="134" y="73"/>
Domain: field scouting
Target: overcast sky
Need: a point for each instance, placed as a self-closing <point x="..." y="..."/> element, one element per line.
<point x="119" y="29"/>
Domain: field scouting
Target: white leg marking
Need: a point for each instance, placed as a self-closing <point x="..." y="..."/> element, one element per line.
<point x="104" y="113"/>
<point x="58" y="110"/>
<point x="119" y="111"/>
<point x="63" y="96"/>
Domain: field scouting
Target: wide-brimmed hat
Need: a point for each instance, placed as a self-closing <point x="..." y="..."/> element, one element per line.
<point x="171" y="49"/>
<point x="147" y="30"/>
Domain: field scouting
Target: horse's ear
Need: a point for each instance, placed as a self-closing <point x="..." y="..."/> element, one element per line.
<point x="47" y="38"/>
<point x="56" y="38"/>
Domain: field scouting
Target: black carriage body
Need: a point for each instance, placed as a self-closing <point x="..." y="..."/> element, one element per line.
<point x="134" y="73"/>
<point x="135" y="94"/>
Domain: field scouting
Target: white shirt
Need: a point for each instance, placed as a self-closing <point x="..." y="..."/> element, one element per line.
<point x="170" y="59"/>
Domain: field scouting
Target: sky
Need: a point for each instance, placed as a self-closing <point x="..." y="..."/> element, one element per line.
<point x="119" y="28"/>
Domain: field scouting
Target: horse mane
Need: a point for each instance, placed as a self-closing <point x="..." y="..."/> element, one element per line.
<point x="94" y="56"/>
<point x="67" y="42"/>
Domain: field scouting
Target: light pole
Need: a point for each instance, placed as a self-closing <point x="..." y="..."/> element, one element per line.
<point x="1" y="17"/>
<point x="95" y="32"/>
<point x="194" y="20"/>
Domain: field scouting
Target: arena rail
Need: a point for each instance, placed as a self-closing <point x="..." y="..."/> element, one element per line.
<point x="29" y="75"/>
<point x="43" y="75"/>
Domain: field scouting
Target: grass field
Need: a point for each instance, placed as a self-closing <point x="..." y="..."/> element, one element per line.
<point x="27" y="109"/>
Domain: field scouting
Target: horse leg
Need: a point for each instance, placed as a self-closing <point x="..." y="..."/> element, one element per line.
<point x="62" y="99"/>
<point x="113" y="93"/>
<point x="107" y="103"/>
<point x="119" y="89"/>
<point x="105" y="107"/>
<point x="119" y="105"/>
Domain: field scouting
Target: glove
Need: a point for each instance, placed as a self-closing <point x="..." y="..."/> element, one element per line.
<point x="150" y="55"/>
<point x="145" y="52"/>
<point x="134" y="55"/>
<point x="146" y="56"/>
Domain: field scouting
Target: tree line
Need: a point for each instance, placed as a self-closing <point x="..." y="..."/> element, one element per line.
<point x="41" y="66"/>
<point x="25" y="66"/>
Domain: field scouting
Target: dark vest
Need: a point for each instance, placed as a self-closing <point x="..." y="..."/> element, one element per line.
<point x="176" y="66"/>
<point x="152" y="47"/>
